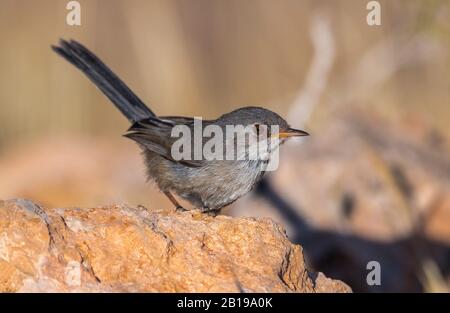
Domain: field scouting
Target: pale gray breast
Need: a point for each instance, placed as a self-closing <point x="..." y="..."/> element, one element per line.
<point x="229" y="181"/>
<point x="213" y="185"/>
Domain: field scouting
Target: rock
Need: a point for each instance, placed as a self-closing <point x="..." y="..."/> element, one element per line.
<point x="365" y="189"/>
<point x="123" y="249"/>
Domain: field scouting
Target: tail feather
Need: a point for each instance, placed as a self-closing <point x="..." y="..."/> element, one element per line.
<point x="108" y="82"/>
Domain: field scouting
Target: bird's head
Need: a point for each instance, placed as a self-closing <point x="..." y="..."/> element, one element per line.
<point x="263" y="125"/>
<point x="258" y="117"/>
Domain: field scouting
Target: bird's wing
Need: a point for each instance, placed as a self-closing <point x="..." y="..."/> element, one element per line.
<point x="155" y="135"/>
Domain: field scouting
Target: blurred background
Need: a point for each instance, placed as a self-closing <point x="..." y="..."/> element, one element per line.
<point x="372" y="183"/>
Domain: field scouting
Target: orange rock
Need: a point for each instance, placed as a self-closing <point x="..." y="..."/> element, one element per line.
<point x="119" y="248"/>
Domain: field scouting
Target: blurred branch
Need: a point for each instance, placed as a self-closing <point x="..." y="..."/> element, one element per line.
<point x="317" y="77"/>
<point x="381" y="62"/>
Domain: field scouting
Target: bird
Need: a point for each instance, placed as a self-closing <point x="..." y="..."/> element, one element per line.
<point x="208" y="184"/>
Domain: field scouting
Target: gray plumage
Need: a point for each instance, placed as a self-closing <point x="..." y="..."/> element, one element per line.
<point x="207" y="184"/>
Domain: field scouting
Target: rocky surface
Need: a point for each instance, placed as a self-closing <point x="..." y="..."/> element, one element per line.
<point x="365" y="189"/>
<point x="119" y="248"/>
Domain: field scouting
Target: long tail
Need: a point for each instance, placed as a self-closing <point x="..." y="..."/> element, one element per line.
<point x="108" y="82"/>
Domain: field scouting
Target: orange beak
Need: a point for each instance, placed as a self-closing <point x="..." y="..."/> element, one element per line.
<point x="291" y="132"/>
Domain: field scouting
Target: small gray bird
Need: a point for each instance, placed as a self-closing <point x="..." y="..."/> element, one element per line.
<point x="208" y="184"/>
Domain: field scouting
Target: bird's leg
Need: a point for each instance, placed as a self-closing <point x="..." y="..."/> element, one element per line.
<point x="172" y="199"/>
<point x="209" y="211"/>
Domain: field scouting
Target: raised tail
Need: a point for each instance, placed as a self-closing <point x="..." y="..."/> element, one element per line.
<point x="108" y="82"/>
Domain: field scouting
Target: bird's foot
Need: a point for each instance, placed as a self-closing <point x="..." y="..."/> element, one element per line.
<point x="209" y="211"/>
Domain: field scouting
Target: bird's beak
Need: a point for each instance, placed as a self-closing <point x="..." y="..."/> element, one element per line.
<point x="291" y="132"/>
